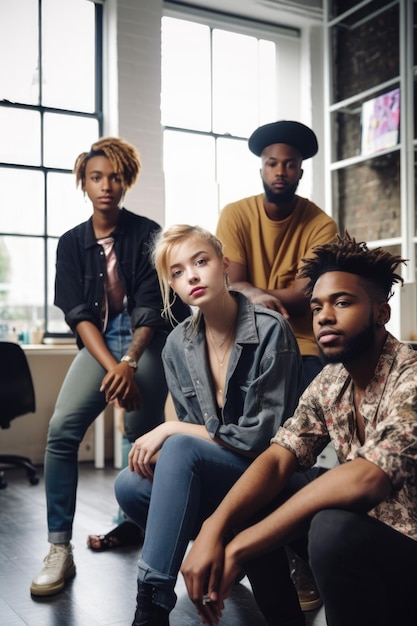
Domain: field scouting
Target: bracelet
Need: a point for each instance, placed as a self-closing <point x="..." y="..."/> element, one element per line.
<point x="132" y="363"/>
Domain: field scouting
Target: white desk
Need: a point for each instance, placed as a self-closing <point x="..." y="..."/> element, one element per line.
<point x="99" y="424"/>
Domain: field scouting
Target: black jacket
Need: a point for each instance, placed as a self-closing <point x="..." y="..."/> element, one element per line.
<point x="81" y="273"/>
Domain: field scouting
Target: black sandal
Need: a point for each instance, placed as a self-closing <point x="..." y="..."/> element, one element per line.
<point x="125" y="535"/>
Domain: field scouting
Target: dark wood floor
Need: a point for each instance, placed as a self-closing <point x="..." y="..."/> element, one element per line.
<point x="104" y="589"/>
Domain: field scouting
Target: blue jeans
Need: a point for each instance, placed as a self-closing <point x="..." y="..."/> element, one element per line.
<point x="79" y="402"/>
<point x="191" y="478"/>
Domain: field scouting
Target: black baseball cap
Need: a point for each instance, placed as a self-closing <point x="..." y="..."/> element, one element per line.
<point x="292" y="133"/>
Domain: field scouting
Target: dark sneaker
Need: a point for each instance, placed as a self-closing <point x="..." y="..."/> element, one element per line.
<point x="302" y="577"/>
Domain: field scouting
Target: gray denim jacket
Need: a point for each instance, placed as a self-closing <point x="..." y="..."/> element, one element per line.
<point x="262" y="380"/>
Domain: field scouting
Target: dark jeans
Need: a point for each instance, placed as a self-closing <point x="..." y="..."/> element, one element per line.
<point x="273" y="589"/>
<point x="365" y="570"/>
<point x="269" y="574"/>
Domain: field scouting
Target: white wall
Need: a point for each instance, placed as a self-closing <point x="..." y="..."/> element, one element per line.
<point x="138" y="89"/>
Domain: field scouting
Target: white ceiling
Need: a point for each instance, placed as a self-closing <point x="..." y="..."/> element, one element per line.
<point x="296" y="13"/>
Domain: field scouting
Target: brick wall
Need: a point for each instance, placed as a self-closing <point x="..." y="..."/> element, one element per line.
<point x="365" y="56"/>
<point x="370" y="198"/>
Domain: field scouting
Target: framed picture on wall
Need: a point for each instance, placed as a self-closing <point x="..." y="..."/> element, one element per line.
<point x="380" y="122"/>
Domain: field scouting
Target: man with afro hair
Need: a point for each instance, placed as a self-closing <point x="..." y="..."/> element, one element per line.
<point x="360" y="517"/>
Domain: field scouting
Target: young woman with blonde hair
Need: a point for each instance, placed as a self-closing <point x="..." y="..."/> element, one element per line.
<point x="233" y="369"/>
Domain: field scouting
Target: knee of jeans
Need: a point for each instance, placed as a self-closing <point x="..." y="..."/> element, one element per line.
<point x="55" y="426"/>
<point x="182" y="445"/>
<point x="328" y="537"/>
<point x="180" y="453"/>
<point x="132" y="496"/>
<point x="61" y="438"/>
<point x="122" y="487"/>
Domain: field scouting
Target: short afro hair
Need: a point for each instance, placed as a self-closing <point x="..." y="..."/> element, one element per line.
<point x="377" y="267"/>
<point x="122" y="155"/>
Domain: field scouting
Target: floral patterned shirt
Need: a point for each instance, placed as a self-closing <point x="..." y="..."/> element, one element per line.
<point x="389" y="409"/>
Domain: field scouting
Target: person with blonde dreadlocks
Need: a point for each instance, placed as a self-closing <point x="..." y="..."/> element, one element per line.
<point x="109" y="292"/>
<point x="361" y="515"/>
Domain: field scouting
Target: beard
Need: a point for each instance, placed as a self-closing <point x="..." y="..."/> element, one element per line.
<point x="281" y="196"/>
<point x="357" y="346"/>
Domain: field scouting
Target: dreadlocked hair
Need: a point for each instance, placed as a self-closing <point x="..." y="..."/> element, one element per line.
<point x="122" y="155"/>
<point x="377" y="267"/>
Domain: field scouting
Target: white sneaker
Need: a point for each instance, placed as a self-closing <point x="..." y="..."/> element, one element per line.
<point x="58" y="567"/>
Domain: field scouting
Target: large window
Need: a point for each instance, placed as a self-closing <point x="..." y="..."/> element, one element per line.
<point x="50" y="111"/>
<point x="219" y="83"/>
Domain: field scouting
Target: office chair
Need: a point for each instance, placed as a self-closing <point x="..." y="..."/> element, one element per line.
<point x="17" y="397"/>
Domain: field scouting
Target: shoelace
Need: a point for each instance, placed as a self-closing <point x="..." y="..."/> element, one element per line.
<point x="53" y="559"/>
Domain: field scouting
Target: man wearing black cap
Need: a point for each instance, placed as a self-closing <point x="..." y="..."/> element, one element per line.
<point x="266" y="237"/>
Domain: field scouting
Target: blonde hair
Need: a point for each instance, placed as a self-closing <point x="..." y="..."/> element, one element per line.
<point x="122" y="155"/>
<point x="163" y="245"/>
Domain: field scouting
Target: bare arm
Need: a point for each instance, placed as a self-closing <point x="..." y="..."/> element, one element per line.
<point x="260" y="484"/>
<point x="289" y="301"/>
<point x="145" y="449"/>
<point x="119" y="383"/>
<point x="95" y="344"/>
<point x="358" y="485"/>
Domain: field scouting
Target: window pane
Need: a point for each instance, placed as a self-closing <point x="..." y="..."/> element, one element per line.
<point x="68" y="49"/>
<point x="237" y="171"/>
<point x="22" y="194"/>
<point x="186" y="100"/>
<point x="53" y="64"/>
<point x="66" y="205"/>
<point x="268" y="91"/>
<point x="222" y="84"/>
<point x="66" y="136"/>
<point x="190" y="185"/>
<point x="20" y="136"/>
<point x="19" y="81"/>
<point x="56" y="320"/>
<point x="21" y="282"/>
<point x="235" y="80"/>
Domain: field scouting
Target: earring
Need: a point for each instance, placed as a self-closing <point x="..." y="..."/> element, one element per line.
<point x="227" y="280"/>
